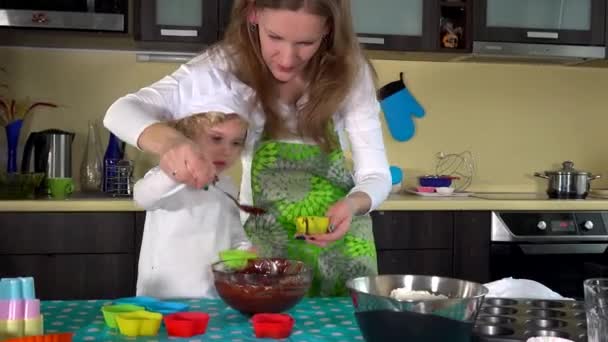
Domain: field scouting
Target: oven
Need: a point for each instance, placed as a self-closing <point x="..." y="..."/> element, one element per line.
<point x="559" y="249"/>
<point x="95" y="15"/>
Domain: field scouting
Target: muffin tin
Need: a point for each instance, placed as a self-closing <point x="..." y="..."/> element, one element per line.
<point x="508" y="320"/>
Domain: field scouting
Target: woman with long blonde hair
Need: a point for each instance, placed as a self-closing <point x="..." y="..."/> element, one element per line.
<point x="315" y="98"/>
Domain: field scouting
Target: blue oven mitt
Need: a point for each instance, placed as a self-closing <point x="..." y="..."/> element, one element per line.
<point x="398" y="106"/>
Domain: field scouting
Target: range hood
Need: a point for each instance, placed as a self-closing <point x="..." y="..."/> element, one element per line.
<point x="535" y="53"/>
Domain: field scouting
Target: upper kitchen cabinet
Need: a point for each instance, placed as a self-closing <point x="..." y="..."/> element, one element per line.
<point x="182" y="21"/>
<point x="89" y="15"/>
<point x="559" y="22"/>
<point x="413" y="25"/>
<point x="404" y="25"/>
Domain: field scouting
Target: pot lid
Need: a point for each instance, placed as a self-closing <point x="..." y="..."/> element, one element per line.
<point x="567" y="169"/>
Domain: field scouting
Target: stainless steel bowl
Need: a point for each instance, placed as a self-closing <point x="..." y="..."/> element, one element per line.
<point x="382" y="318"/>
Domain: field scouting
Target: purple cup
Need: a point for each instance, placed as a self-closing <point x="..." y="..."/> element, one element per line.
<point x="18" y="309"/>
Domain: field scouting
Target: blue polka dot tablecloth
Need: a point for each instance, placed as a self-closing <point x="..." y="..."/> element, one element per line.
<point x="317" y="319"/>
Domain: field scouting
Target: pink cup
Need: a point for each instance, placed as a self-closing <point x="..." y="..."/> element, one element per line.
<point x="17" y="309"/>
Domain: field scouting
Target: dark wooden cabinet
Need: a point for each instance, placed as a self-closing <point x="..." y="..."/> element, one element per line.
<point x="472" y="245"/>
<point x="555" y="22"/>
<point x="397" y="230"/>
<point x="414" y="242"/>
<point x="74" y="276"/>
<point x="414" y="25"/>
<point x="66" y="233"/>
<point x="89" y="255"/>
<point x="94" y="255"/>
<point x="424" y="261"/>
<point x="394" y="24"/>
<point x="443" y="243"/>
<point x="191" y="21"/>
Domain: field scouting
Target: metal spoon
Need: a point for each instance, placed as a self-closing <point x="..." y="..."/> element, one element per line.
<point x="244" y="207"/>
<point x="255" y="211"/>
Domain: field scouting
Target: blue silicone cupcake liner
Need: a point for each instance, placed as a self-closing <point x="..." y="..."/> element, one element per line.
<point x="166" y="308"/>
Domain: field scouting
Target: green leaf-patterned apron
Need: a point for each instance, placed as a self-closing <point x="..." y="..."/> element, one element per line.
<point x="296" y="179"/>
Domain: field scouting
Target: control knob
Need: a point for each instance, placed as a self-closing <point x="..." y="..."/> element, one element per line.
<point x="588" y="225"/>
<point x="542" y="225"/>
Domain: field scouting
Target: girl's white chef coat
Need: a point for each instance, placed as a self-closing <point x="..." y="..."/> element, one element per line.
<point x="185" y="229"/>
<point x="357" y="123"/>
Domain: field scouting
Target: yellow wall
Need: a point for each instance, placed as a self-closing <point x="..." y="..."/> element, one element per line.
<point x="515" y="119"/>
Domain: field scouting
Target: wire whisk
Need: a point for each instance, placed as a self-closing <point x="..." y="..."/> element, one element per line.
<point x="459" y="165"/>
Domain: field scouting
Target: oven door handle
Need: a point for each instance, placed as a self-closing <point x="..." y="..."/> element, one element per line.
<point x="564" y="248"/>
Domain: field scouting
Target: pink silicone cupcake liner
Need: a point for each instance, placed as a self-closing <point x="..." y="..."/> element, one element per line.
<point x="19" y="309"/>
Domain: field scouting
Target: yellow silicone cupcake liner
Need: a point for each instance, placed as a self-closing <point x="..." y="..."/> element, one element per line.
<point x="139" y="323"/>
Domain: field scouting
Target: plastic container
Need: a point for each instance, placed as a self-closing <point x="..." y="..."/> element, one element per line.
<point x="16" y="309"/>
<point x="269" y="325"/>
<point x="62" y="337"/>
<point x="111" y="311"/>
<point x="139" y="323"/>
<point x="186" y="324"/>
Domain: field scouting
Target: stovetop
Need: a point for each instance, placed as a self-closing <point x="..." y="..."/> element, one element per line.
<point x="511" y="196"/>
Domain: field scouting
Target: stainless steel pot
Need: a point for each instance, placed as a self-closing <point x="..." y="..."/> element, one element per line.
<point x="567" y="183"/>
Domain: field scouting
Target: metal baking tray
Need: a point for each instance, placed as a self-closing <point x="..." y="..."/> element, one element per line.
<point x="508" y="320"/>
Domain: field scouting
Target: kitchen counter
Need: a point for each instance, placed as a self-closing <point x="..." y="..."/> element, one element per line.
<point x="491" y="201"/>
<point x="395" y="202"/>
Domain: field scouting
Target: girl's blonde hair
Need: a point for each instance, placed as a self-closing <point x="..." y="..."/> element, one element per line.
<point x="192" y="126"/>
<point x="331" y="71"/>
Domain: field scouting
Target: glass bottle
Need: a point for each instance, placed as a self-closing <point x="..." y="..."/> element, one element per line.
<point x="114" y="153"/>
<point x="91" y="167"/>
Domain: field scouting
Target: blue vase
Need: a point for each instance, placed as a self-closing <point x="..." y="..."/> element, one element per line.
<point x="12" y="140"/>
<point x="114" y="153"/>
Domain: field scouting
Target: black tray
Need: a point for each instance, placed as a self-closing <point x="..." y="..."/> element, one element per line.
<point x="508" y="320"/>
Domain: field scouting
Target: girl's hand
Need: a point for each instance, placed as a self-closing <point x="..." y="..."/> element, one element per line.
<point x="340" y="216"/>
<point x="185" y="162"/>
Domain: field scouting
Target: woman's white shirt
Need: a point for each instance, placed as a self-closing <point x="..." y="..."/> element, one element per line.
<point x="357" y="122"/>
<point x="185" y="229"/>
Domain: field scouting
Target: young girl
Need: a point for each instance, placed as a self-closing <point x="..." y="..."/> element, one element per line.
<point x="185" y="227"/>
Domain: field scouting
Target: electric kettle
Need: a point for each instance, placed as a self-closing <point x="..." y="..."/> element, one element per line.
<point x="48" y="151"/>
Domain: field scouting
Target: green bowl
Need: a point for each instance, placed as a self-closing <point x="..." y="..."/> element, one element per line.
<point x="19" y="185"/>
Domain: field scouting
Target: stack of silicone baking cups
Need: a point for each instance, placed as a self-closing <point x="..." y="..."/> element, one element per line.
<point x="19" y="308"/>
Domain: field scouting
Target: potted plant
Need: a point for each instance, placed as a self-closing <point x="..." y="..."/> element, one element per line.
<point x="12" y="114"/>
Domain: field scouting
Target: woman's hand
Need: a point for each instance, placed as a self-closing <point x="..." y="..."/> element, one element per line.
<point x="184" y="161"/>
<point x="340" y="216"/>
